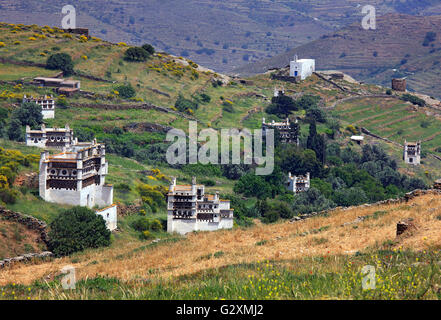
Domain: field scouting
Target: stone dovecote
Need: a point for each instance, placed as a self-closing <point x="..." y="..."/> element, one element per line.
<point x="190" y="209"/>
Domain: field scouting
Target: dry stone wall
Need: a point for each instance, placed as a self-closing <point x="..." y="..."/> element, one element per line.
<point x="408" y="196"/>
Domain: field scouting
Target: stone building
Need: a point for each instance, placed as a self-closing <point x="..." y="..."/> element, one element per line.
<point x="302" y="68"/>
<point x="399" y="85"/>
<point x="288" y="132"/>
<point x="412" y="152"/>
<point x="297" y="184"/>
<point x="76" y="177"/>
<point x="58" y="138"/>
<point x="46" y="103"/>
<point x="190" y="209"/>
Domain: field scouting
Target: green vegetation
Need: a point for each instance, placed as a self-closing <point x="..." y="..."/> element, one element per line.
<point x="413" y="99"/>
<point x="136" y="54"/>
<point x="61" y="61"/>
<point x="400" y="275"/>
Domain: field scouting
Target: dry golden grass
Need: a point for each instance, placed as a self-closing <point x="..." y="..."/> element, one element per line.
<point x="284" y="241"/>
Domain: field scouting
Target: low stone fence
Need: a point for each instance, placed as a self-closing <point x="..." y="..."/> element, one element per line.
<point x="24" y="258"/>
<point x="408" y="196"/>
<point x="29" y="222"/>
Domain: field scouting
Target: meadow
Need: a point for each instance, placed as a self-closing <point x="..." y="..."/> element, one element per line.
<point x="318" y="258"/>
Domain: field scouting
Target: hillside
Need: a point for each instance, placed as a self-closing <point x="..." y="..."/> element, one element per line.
<point x="16" y="240"/>
<point x="372" y="55"/>
<point x="317" y="258"/>
<point x="315" y="252"/>
<point x="226" y="35"/>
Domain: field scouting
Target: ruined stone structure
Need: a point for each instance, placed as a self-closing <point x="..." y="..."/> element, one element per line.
<point x="412" y="152"/>
<point x="77" y="177"/>
<point x="80" y="31"/>
<point x="289" y="133"/>
<point x="302" y="68"/>
<point x="50" y="137"/>
<point x="297" y="184"/>
<point x="399" y="85"/>
<point x="46" y="103"/>
<point x="190" y="209"/>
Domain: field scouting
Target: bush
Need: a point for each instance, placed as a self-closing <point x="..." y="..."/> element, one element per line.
<point x="126" y="91"/>
<point x="77" y="229"/>
<point x="8" y="196"/>
<point x="29" y="114"/>
<point x="61" y="61"/>
<point x="205" y="98"/>
<point x="413" y="99"/>
<point x="149" y="48"/>
<point x="208" y="182"/>
<point x="184" y="105"/>
<point x="136" y="54"/>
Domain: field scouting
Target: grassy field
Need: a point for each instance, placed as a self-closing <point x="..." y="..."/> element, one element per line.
<point x="319" y="258"/>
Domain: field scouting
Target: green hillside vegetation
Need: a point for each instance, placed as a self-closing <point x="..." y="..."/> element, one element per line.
<point x="169" y="91"/>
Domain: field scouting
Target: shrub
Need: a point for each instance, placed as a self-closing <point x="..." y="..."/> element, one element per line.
<point x="146" y="235"/>
<point x="205" y="98"/>
<point x="183" y="104"/>
<point x="208" y="182"/>
<point x="149" y="48"/>
<point x="126" y="91"/>
<point x="77" y="229"/>
<point x="136" y="54"/>
<point x="413" y="99"/>
<point x="61" y="61"/>
<point x="156" y="225"/>
<point x="8" y="195"/>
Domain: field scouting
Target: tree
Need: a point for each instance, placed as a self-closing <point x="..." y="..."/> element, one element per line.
<point x="316" y="114"/>
<point x="61" y="61"/>
<point x="77" y="229"/>
<point x="136" y="54"/>
<point x="251" y="185"/>
<point x="317" y="143"/>
<point x="15" y="130"/>
<point x="29" y="114"/>
<point x="126" y="91"/>
<point x="281" y="106"/>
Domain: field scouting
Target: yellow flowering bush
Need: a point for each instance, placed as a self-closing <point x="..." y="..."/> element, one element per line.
<point x="84" y="57"/>
<point x="2" y="44"/>
<point x="122" y="44"/>
<point x="17" y="42"/>
<point x="83" y="38"/>
<point x="67" y="35"/>
<point x="32" y="38"/>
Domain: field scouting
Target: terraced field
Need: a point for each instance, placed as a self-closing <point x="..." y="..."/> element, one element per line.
<point x="393" y="119"/>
